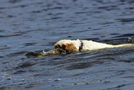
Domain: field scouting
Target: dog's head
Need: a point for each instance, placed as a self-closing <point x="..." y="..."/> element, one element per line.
<point x="67" y="46"/>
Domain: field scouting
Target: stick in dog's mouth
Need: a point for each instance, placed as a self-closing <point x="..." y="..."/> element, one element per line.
<point x="51" y="52"/>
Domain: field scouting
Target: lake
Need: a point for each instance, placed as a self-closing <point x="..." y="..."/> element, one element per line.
<point x="36" y="25"/>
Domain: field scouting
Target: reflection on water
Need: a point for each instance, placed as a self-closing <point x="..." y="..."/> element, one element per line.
<point x="34" y="26"/>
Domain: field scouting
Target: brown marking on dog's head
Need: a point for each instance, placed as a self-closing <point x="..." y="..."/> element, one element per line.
<point x="68" y="48"/>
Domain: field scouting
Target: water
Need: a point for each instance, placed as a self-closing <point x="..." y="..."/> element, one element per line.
<point x="33" y="26"/>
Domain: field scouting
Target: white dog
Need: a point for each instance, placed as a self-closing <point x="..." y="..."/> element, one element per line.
<point x="69" y="46"/>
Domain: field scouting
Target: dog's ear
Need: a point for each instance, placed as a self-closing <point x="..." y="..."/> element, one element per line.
<point x="70" y="47"/>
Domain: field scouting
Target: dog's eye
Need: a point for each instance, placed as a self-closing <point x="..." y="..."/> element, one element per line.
<point x="63" y="46"/>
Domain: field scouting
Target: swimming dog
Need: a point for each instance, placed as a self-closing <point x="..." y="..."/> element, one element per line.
<point x="75" y="46"/>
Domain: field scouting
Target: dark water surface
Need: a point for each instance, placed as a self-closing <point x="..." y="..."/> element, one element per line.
<point x="35" y="25"/>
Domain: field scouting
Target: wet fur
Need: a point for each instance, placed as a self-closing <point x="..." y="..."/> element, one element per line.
<point x="70" y="46"/>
